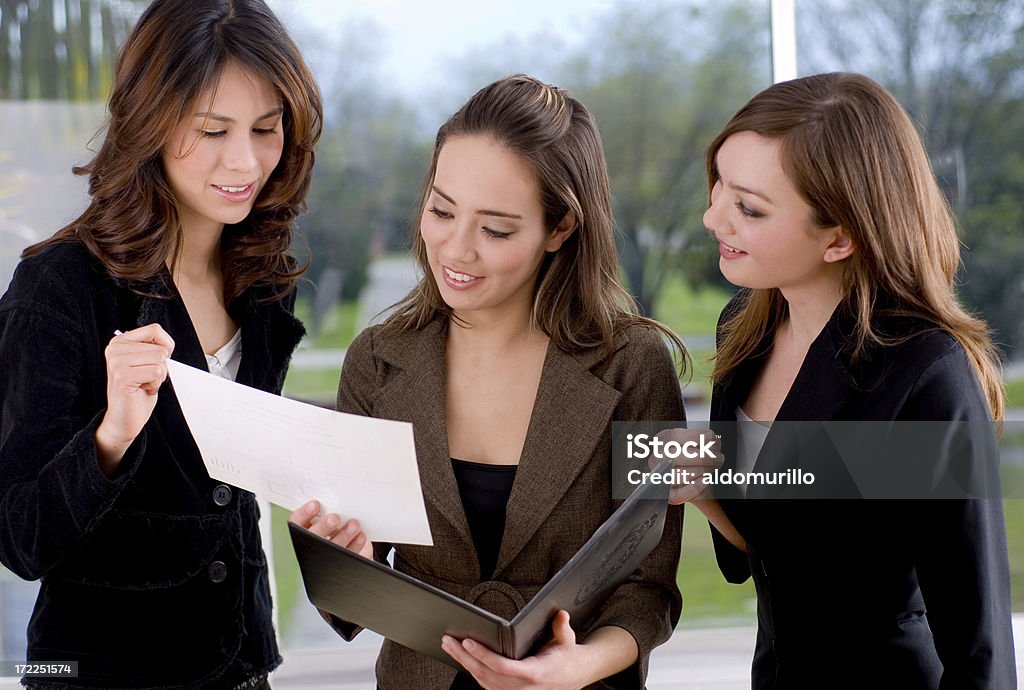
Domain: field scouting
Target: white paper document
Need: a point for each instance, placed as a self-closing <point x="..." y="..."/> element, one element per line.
<point x="289" y="452"/>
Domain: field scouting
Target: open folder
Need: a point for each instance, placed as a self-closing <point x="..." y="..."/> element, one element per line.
<point x="416" y="615"/>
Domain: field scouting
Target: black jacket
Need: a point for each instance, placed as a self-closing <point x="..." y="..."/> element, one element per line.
<point x="909" y="594"/>
<point x="156" y="577"/>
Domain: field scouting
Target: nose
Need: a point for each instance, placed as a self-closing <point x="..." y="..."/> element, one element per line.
<point x="712" y="216"/>
<point x="240" y="153"/>
<point x="461" y="244"/>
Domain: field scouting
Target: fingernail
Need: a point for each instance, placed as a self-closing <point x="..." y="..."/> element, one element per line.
<point x="469" y="645"/>
<point x="310" y="506"/>
<point x="331" y="521"/>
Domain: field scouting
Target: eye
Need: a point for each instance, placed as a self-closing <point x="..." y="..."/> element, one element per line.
<point x="213" y="134"/>
<point x="443" y="215"/>
<point x="496" y="234"/>
<point x="747" y="211"/>
<point x="265" y="132"/>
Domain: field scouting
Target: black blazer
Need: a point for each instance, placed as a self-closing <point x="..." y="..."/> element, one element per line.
<point x="156" y="577"/>
<point x="892" y="594"/>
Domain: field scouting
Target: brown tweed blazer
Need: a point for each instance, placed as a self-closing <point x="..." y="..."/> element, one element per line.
<point x="562" y="489"/>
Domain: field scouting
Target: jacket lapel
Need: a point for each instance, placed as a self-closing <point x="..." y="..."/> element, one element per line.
<point x="170" y="313"/>
<point x="570" y="417"/>
<point x="270" y="333"/>
<point x="821" y="387"/>
<point x="418" y="395"/>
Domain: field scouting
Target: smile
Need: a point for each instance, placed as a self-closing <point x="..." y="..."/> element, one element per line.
<point x="458" y="280"/>
<point x="236" y="192"/>
<point x="729" y="252"/>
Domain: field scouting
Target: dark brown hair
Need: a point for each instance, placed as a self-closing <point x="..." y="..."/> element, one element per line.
<point x="855" y="157"/>
<point x="579" y="300"/>
<point x="176" y="52"/>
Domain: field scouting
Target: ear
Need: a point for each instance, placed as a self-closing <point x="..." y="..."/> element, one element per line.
<point x="841" y="247"/>
<point x="565" y="228"/>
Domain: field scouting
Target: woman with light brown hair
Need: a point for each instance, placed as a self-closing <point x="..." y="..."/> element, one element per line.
<point x="512" y="358"/>
<point x="829" y="218"/>
<point x="153" y="574"/>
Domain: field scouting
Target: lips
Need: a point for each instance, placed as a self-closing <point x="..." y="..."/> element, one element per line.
<point x="459" y="280"/>
<point x="729" y="252"/>
<point x="236" y="193"/>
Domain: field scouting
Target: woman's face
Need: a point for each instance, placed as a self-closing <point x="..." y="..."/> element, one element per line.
<point x="766" y="233"/>
<point x="219" y="157"/>
<point x="483" y="228"/>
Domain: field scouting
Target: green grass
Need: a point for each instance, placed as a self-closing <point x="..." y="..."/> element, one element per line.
<point x="337" y="329"/>
<point x="286" y="569"/>
<point x="708" y="600"/>
<point x="1015" y="393"/>
<point x="313" y="385"/>
<point x="688" y="312"/>
<point x="1014" y="511"/>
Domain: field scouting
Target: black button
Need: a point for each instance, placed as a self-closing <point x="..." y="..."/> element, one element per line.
<point x="218" y="572"/>
<point x="222" y="495"/>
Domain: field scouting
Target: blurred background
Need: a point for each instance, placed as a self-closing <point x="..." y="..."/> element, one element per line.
<point x="662" y="76"/>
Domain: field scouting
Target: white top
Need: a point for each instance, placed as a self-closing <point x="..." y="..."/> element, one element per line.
<point x="224" y="362"/>
<point x="750" y="436"/>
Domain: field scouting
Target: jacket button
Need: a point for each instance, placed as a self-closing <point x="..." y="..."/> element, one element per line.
<point x="218" y="572"/>
<point x="222" y="495"/>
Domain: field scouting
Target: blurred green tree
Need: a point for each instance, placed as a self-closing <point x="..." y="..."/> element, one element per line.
<point x="61" y="49"/>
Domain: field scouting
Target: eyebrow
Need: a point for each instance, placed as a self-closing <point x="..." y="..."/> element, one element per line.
<point x="747" y="190"/>
<point x="224" y="118"/>
<point x="481" y="212"/>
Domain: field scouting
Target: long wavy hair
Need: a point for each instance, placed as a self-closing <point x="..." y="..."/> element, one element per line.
<point x="177" y="52"/>
<point x="579" y="300"/>
<point x="856" y="158"/>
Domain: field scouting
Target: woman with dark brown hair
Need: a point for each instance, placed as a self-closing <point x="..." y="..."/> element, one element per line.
<point x="829" y="218"/>
<point x="153" y="574"/>
<point x="512" y="358"/>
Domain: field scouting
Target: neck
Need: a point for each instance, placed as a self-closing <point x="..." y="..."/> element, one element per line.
<point x="809" y="310"/>
<point x="493" y="332"/>
<point x="200" y="255"/>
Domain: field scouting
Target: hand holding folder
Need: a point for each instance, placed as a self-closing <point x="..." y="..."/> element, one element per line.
<point x="417" y="615"/>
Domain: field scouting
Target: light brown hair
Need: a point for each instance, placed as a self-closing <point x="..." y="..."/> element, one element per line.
<point x="579" y="300"/>
<point x="855" y="157"/>
<point x="176" y="52"/>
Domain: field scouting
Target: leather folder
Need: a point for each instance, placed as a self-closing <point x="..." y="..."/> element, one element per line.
<point x="415" y="614"/>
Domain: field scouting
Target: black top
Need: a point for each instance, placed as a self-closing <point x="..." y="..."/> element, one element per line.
<point x="485" y="490"/>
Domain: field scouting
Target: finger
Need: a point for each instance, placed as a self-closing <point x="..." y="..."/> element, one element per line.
<point x="495" y="664"/>
<point x="150" y="333"/>
<point x="115" y="352"/>
<point x="350" y="535"/>
<point x="562" y="631"/>
<point x="327" y="526"/>
<point x="130" y="380"/>
<point x="304" y="514"/>
<point x="459" y="652"/>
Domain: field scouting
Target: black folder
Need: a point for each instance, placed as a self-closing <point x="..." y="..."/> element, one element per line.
<point x="415" y="614"/>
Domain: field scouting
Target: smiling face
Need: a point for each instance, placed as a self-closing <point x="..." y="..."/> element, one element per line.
<point x="766" y="233"/>
<point x="221" y="156"/>
<point x="483" y="229"/>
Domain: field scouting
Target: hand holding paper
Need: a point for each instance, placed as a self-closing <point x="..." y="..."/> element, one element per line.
<point x="289" y="453"/>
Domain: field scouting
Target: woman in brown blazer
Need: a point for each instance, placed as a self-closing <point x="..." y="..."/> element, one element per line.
<point x="511" y="358"/>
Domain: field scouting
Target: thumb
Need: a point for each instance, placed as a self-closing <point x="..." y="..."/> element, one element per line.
<point x="562" y="631"/>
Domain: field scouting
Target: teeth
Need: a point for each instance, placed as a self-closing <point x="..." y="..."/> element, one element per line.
<point x="731" y="249"/>
<point x="461" y="277"/>
<point x="233" y="190"/>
